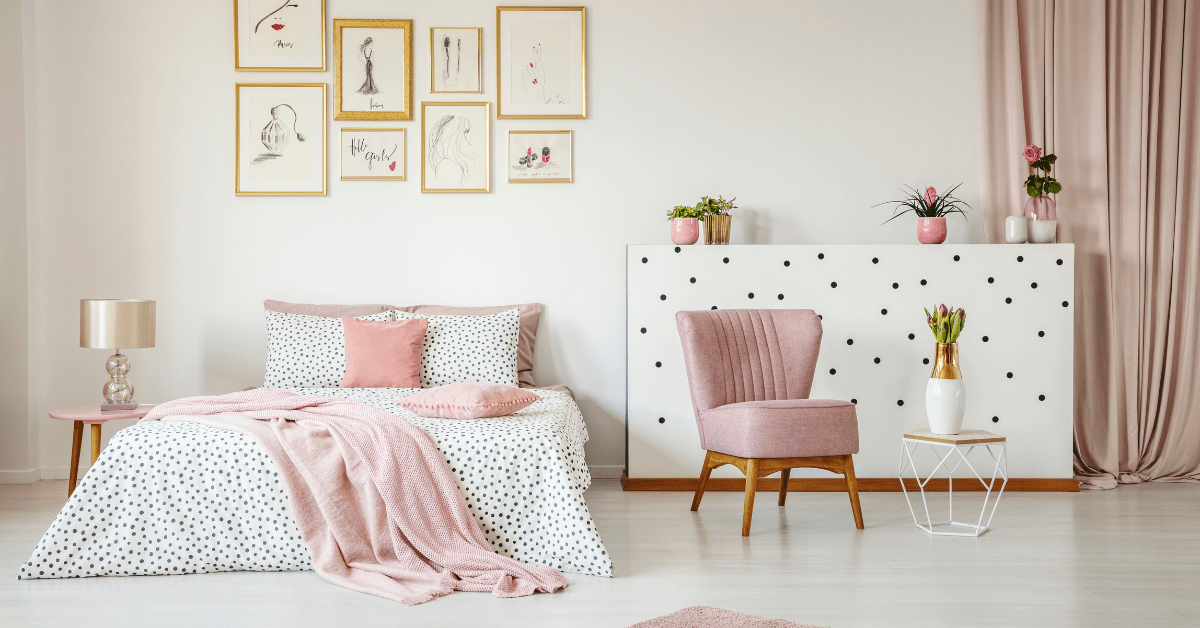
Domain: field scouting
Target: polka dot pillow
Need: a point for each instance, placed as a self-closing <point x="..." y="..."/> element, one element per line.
<point x="469" y="348"/>
<point x="307" y="351"/>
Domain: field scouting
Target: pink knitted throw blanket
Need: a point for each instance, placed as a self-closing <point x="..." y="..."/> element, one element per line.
<point x="375" y="503"/>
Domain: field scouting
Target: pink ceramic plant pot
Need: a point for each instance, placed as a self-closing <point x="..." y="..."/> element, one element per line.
<point x="685" y="230"/>
<point x="931" y="230"/>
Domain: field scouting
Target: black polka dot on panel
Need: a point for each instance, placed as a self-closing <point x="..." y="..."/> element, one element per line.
<point x="786" y="263"/>
<point x="1008" y="299"/>
<point x="833" y="371"/>
<point x="985" y="338"/>
<point x="725" y="260"/>
<point x="1065" y="304"/>
<point x="713" y="307"/>
<point x="662" y="419"/>
<point x="923" y="282"/>
<point x="874" y="260"/>
<point x="883" y="311"/>
<point x="833" y="284"/>
<point x="1010" y="375"/>
<point x="1020" y="258"/>
<point x="692" y="280"/>
<point x="644" y="260"/>
<point x="662" y="297"/>
<point x="877" y="360"/>
<point x="643" y="330"/>
<point x="854" y="401"/>
<point x="658" y="365"/>
<point x="991" y="280"/>
<point x="895" y="285"/>
<point x="899" y="402"/>
<point x="1041" y="397"/>
<point x="820" y="256"/>
<point x="677" y="249"/>
<point x="1033" y="285"/>
<point x="1059" y="262"/>
<point x="995" y="419"/>
<point x="820" y="317"/>
<point x="781" y="297"/>
<point x="750" y="295"/>
<point x="925" y="361"/>
<point x="1041" y="334"/>
<point x="956" y="258"/>
<point x="849" y="341"/>
<point x="912" y="336"/>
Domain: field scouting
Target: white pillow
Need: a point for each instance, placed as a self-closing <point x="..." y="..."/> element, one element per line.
<point x="469" y="348"/>
<point x="307" y="351"/>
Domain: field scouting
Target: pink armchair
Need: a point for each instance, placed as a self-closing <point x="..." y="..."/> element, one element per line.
<point x="750" y="372"/>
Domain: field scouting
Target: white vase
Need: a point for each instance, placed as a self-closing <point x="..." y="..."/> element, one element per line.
<point x="1042" y="231"/>
<point x="1016" y="229"/>
<point x="945" y="405"/>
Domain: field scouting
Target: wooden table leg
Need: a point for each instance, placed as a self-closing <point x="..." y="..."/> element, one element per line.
<point x="76" y="443"/>
<point x="95" y="442"/>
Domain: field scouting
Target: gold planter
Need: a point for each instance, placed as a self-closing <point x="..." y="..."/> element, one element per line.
<point x="716" y="228"/>
<point x="945" y="363"/>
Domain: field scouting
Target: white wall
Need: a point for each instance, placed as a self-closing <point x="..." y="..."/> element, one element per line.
<point x="808" y="112"/>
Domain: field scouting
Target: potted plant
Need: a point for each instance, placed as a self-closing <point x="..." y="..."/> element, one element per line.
<point x="685" y="224"/>
<point x="716" y="218"/>
<point x="1040" y="210"/>
<point x="931" y="210"/>
<point x="945" y="394"/>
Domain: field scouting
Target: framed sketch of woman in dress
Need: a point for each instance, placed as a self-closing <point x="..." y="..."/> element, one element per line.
<point x="372" y="69"/>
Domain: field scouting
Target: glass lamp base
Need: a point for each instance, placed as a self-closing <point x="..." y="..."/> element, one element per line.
<point x="118" y="392"/>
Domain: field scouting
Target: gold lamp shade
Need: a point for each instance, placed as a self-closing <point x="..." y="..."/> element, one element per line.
<point x="116" y="323"/>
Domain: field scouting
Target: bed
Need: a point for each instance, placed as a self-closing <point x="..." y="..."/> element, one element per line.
<point x="180" y="497"/>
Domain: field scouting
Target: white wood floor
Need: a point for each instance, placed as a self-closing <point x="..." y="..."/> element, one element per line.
<point x="1128" y="557"/>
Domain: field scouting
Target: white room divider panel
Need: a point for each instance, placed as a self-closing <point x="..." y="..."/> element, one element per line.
<point x="1016" y="349"/>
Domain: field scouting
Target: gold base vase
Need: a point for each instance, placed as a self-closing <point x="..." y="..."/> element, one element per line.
<point x="945" y="394"/>
<point x="716" y="228"/>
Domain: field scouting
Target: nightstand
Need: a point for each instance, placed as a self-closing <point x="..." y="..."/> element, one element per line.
<point x="91" y="415"/>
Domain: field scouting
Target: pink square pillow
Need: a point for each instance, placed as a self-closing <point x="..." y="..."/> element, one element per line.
<point x="383" y="354"/>
<point x="468" y="400"/>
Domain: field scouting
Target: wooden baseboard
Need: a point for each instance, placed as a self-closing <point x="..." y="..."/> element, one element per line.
<point x="1022" y="485"/>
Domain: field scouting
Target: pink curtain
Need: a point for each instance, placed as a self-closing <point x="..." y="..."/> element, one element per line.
<point x="1112" y="89"/>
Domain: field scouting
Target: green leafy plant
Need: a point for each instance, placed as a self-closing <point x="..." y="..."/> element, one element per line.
<point x="1037" y="185"/>
<point x="946" y="323"/>
<point x="929" y="204"/>
<point x="716" y="207"/>
<point x="685" y="211"/>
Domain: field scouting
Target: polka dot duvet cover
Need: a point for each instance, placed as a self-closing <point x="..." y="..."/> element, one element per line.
<point x="181" y="497"/>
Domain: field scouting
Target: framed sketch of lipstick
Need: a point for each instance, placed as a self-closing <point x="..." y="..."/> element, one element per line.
<point x="456" y="60"/>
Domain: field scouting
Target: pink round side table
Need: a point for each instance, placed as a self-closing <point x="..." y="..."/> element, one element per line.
<point x="91" y="415"/>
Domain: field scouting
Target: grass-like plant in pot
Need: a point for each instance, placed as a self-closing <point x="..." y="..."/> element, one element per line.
<point x="945" y="394"/>
<point x="931" y="209"/>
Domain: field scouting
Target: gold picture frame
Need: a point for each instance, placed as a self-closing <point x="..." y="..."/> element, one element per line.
<point x="238" y="32"/>
<point x="433" y="60"/>
<point x="371" y="155"/>
<point x="442" y="130"/>
<point x="391" y="109"/>
<point x="572" y="99"/>
<point x="318" y="114"/>
<point x="526" y="168"/>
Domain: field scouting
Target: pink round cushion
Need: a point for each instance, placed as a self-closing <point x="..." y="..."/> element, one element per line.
<point x="468" y="400"/>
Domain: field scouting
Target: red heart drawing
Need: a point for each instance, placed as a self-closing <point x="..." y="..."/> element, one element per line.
<point x="277" y="26"/>
<point x="392" y="167"/>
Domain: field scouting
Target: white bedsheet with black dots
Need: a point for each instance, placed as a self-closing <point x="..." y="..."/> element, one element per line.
<point x="180" y="497"/>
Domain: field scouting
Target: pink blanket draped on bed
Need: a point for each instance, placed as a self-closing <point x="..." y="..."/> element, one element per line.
<point x="375" y="503"/>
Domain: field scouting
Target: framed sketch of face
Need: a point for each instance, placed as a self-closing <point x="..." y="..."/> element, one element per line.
<point x="372" y="154"/>
<point x="541" y="62"/>
<point x="455" y="147"/>
<point x="540" y="157"/>
<point x="279" y="139"/>
<point x="372" y="69"/>
<point x="279" y="35"/>
<point x="456" y="60"/>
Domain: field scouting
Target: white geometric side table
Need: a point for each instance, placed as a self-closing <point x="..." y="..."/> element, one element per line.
<point x="952" y="451"/>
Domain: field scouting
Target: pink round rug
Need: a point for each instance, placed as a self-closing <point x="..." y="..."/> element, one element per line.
<point x="709" y="617"/>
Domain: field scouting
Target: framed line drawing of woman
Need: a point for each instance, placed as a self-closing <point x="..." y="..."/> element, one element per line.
<point x="455" y="147"/>
<point x="372" y="69"/>
<point x="279" y="35"/>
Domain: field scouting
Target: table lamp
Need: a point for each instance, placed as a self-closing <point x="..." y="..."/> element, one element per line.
<point x="116" y="324"/>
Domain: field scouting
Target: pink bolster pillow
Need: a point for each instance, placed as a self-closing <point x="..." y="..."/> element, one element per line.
<point x="468" y="400"/>
<point x="383" y="354"/>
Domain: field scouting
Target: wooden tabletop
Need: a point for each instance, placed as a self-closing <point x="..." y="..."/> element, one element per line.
<point x="965" y="437"/>
<point x="92" y="414"/>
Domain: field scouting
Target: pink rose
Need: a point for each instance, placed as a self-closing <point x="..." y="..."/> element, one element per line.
<point x="930" y="196"/>
<point x="1032" y="153"/>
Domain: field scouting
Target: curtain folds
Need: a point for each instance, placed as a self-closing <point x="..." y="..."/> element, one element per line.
<point x="1112" y="89"/>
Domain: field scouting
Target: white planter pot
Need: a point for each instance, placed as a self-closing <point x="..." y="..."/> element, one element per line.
<point x="945" y="405"/>
<point x="1016" y="229"/>
<point x="1042" y="231"/>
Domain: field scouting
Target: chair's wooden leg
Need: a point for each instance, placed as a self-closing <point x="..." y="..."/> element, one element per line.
<point x="751" y="485"/>
<point x="783" y="482"/>
<point x="95" y="442"/>
<point x="852" y="488"/>
<point x="76" y="444"/>
<point x="703" y="480"/>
